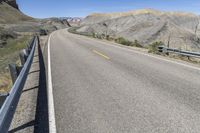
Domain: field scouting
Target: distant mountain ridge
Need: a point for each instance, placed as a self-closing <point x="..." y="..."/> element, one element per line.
<point x="179" y="29"/>
<point x="73" y="21"/>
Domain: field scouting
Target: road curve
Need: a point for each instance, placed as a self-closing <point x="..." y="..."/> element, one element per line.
<point x="100" y="88"/>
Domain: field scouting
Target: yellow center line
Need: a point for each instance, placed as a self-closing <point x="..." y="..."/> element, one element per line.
<point x="99" y="53"/>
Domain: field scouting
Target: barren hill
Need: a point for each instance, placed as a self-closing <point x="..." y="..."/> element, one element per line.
<point x="16" y="28"/>
<point x="9" y="12"/>
<point x="179" y="29"/>
<point x="12" y="3"/>
<point x="13" y="22"/>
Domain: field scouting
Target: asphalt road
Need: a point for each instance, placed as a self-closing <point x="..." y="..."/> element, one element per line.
<point x="103" y="88"/>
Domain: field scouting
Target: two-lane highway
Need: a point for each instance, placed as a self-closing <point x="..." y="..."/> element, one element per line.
<point x="103" y="88"/>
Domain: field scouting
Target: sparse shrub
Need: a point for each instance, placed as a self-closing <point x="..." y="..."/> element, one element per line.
<point x="107" y="37"/>
<point x="5" y="83"/>
<point x="85" y="34"/>
<point x="98" y="36"/>
<point x="94" y="35"/>
<point x="103" y="36"/>
<point x="198" y="40"/>
<point x="2" y="43"/>
<point x="153" y="48"/>
<point x="73" y="30"/>
<point x="123" y="41"/>
<point x="5" y="35"/>
<point x="119" y="40"/>
<point x="136" y="44"/>
<point x="43" y="32"/>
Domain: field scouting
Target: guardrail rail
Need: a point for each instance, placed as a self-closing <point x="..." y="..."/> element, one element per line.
<point x="188" y="54"/>
<point x="19" y="76"/>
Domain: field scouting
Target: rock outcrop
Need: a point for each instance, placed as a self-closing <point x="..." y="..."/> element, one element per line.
<point x="9" y="13"/>
<point x="12" y="3"/>
<point x="178" y="29"/>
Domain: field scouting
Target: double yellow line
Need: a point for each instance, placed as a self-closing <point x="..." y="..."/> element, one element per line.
<point x="102" y="55"/>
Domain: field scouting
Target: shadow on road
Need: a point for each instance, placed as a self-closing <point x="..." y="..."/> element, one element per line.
<point x="29" y="124"/>
<point x="41" y="118"/>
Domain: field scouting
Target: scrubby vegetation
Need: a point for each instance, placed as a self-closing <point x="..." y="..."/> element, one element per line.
<point x="9" y="54"/>
<point x="123" y="41"/>
<point x="119" y="40"/>
<point x="5" y="82"/>
<point x="73" y="30"/>
<point x="153" y="48"/>
<point x="103" y="36"/>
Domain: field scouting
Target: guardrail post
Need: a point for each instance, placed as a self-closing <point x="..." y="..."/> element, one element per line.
<point x="23" y="56"/>
<point x="30" y="45"/>
<point x="14" y="72"/>
<point x="188" y="58"/>
<point x="3" y="98"/>
<point x="19" y="77"/>
<point x="187" y="54"/>
<point x="160" y="49"/>
<point x="28" y="48"/>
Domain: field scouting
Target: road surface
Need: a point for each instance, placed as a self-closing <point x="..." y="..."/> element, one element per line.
<point x="103" y="88"/>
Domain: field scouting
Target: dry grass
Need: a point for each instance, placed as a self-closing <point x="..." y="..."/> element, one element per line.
<point x="185" y="58"/>
<point x="5" y="82"/>
<point x="9" y="54"/>
<point x="11" y="15"/>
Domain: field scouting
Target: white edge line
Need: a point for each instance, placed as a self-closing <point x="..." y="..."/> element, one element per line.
<point x="160" y="58"/>
<point x="149" y="55"/>
<point x="51" y="110"/>
<point x="171" y="61"/>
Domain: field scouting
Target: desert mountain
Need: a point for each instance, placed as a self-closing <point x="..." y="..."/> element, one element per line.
<point x="14" y="23"/>
<point x="12" y="3"/>
<point x="178" y="29"/>
<point x="10" y="13"/>
<point x="73" y="21"/>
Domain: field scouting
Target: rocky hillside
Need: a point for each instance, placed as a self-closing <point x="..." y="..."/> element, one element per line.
<point x="14" y="23"/>
<point x="16" y="30"/>
<point x="16" y="26"/>
<point x="178" y="29"/>
<point x="12" y="3"/>
<point x="9" y="12"/>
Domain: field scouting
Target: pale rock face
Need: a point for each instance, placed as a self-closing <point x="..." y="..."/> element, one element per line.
<point x="181" y="29"/>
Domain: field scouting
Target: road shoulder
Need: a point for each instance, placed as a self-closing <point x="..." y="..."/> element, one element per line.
<point x="140" y="51"/>
<point x="32" y="113"/>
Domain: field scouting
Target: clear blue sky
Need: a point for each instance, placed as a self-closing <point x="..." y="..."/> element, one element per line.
<point x="81" y="8"/>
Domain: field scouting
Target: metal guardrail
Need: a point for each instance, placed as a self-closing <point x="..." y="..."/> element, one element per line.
<point x="2" y="98"/>
<point x="8" y="108"/>
<point x="177" y="51"/>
